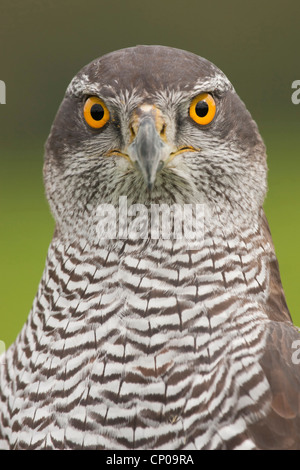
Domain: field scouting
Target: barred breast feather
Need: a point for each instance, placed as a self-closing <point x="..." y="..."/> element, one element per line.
<point x="151" y="342"/>
<point x="147" y="345"/>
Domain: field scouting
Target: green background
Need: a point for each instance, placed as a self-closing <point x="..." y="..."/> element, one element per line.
<point x="42" y="46"/>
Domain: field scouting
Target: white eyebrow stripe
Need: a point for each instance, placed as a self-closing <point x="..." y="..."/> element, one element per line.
<point x="82" y="82"/>
<point x="77" y="85"/>
<point x="124" y="99"/>
<point x="219" y="82"/>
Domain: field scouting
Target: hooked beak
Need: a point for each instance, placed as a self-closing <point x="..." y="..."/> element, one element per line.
<point x="148" y="150"/>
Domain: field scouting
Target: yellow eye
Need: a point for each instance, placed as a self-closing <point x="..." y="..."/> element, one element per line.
<point x="203" y="109"/>
<point x="95" y="112"/>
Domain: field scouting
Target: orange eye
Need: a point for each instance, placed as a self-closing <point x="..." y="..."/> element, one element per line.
<point x="203" y="109"/>
<point x="95" y="112"/>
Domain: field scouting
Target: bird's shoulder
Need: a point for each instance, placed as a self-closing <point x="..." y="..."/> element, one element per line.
<point x="280" y="361"/>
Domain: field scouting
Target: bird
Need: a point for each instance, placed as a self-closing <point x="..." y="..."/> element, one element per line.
<point x="142" y="341"/>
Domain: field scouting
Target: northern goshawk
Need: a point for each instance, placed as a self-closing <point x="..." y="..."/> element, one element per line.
<point x="154" y="340"/>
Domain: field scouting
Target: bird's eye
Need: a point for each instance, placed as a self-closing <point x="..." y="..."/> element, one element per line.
<point x="203" y="109"/>
<point x="95" y="112"/>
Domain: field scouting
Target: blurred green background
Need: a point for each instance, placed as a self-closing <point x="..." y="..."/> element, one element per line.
<point x="44" y="44"/>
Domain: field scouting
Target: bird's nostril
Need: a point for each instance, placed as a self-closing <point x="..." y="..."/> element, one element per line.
<point x="132" y="132"/>
<point x="163" y="131"/>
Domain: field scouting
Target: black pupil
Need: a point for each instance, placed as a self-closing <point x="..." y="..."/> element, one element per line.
<point x="97" y="112"/>
<point x="201" y="108"/>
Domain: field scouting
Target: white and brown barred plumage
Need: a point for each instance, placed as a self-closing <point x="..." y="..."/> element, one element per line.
<point x="143" y="343"/>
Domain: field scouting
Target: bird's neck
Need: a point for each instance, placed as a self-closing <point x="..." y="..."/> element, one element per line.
<point x="229" y="264"/>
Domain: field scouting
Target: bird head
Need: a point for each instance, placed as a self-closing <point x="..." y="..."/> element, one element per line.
<point x="157" y="125"/>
